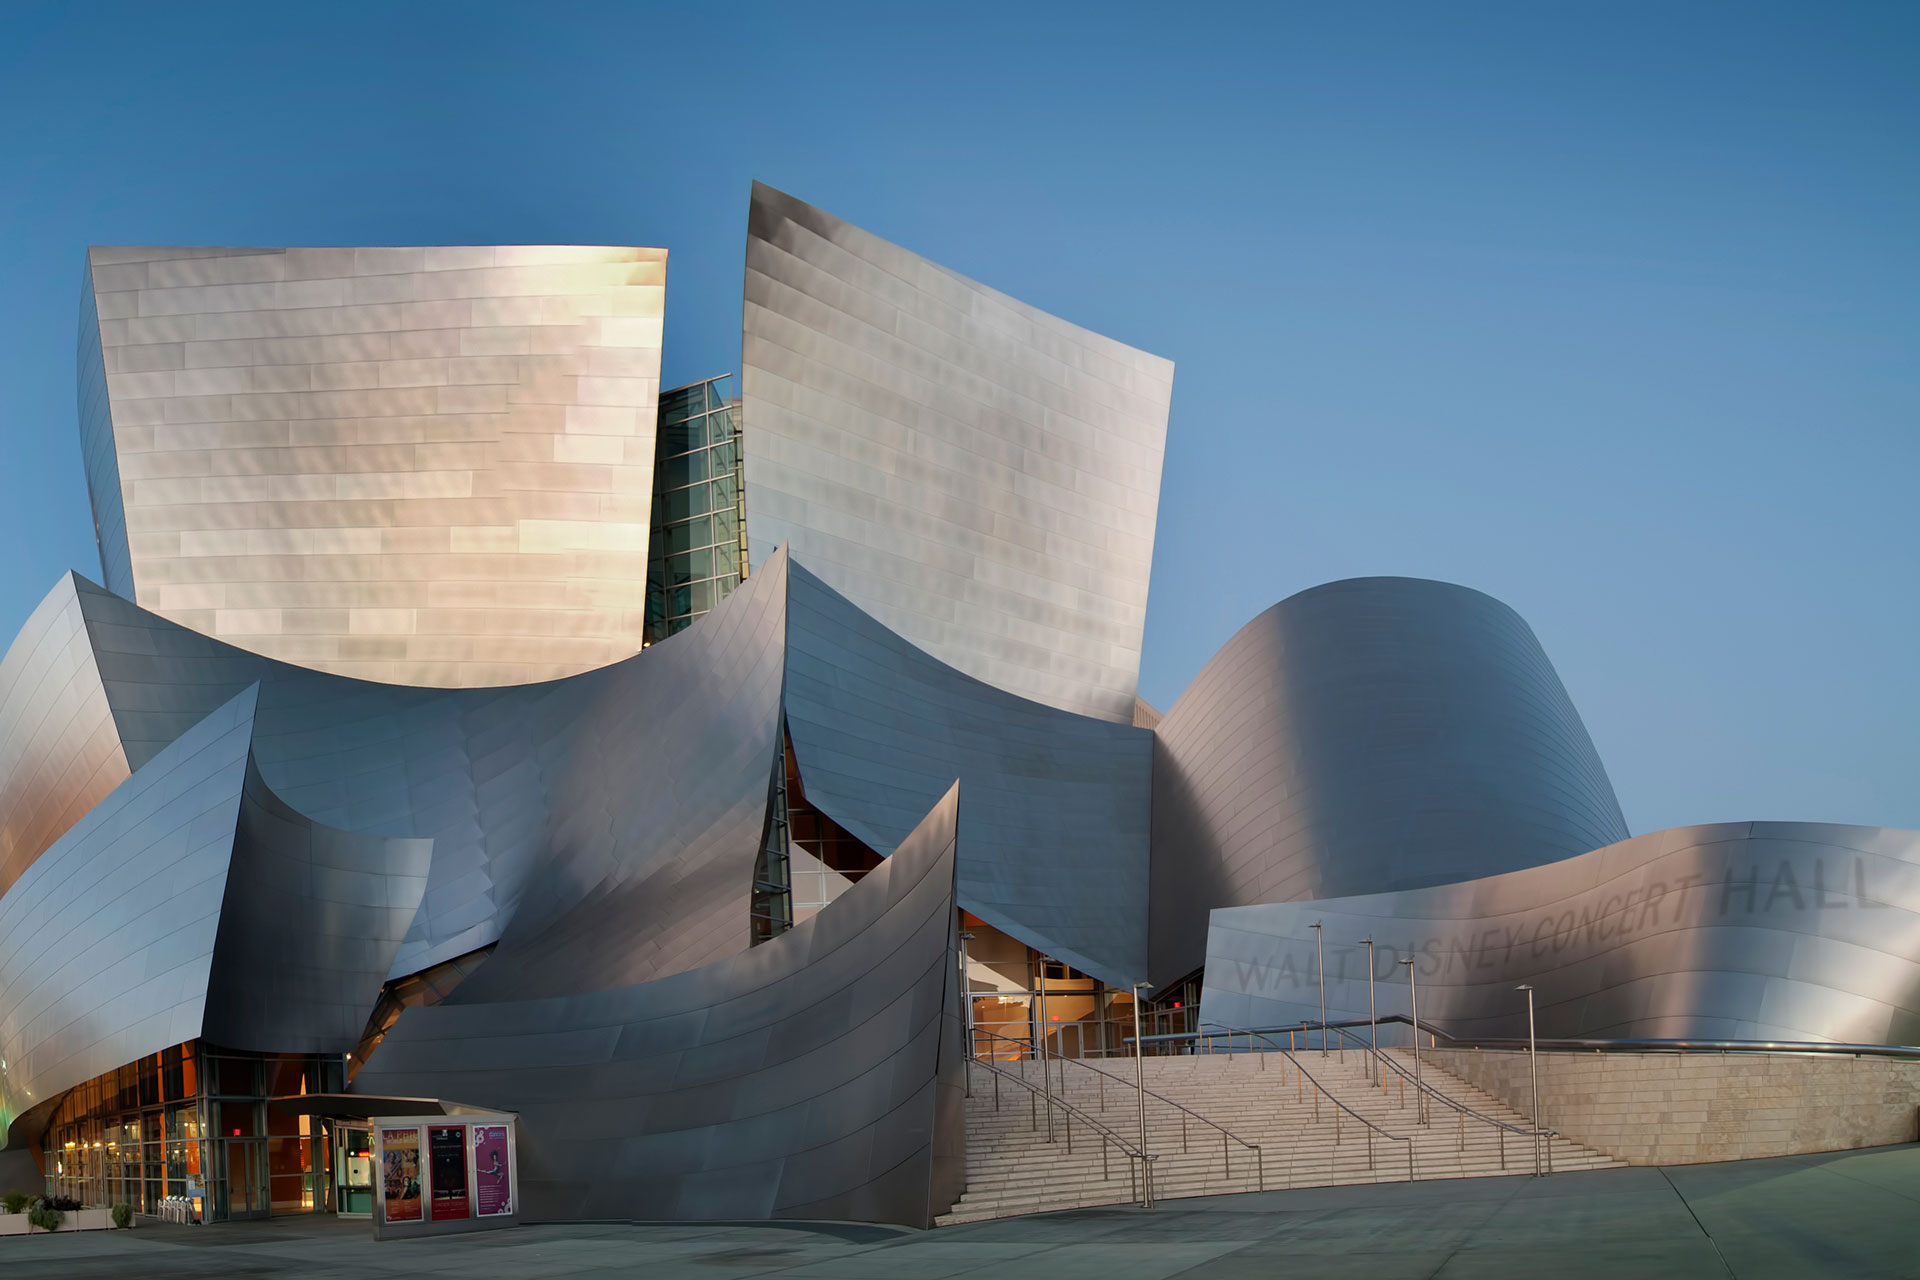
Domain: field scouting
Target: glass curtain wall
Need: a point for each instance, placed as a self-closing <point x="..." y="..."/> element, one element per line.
<point x="193" y="1121"/>
<point x="1022" y="998"/>
<point x="697" y="547"/>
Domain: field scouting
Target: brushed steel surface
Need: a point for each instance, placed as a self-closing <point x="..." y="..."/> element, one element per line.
<point x="427" y="466"/>
<point x="1057" y="803"/>
<point x="816" y="1076"/>
<point x="107" y="940"/>
<point x="60" y="751"/>
<point x="642" y="784"/>
<point x="1362" y="736"/>
<point x="981" y="477"/>
<point x="1734" y="931"/>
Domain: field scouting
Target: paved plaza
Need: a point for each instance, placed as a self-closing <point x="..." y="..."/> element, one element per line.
<point x="1853" y="1214"/>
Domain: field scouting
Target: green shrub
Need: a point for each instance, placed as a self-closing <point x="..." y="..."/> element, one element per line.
<point x="46" y="1219"/>
<point x="15" y="1201"/>
<point x="123" y="1216"/>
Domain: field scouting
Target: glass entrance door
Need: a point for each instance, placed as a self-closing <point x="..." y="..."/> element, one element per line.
<point x="353" y="1170"/>
<point x="246" y="1178"/>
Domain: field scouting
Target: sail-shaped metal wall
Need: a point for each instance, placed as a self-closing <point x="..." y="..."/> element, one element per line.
<point x="817" y="1076"/>
<point x="430" y="466"/>
<point x="1365" y="735"/>
<point x="981" y="477"/>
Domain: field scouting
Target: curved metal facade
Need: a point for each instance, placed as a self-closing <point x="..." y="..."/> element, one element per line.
<point x="1362" y="736"/>
<point x="60" y="752"/>
<point x="1739" y="931"/>
<point x="639" y="788"/>
<point x="816" y="1076"/>
<point x="1057" y="804"/>
<point x="430" y="466"/>
<point x="981" y="477"/>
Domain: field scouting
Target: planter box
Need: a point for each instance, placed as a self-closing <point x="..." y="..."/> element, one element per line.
<point x="16" y="1224"/>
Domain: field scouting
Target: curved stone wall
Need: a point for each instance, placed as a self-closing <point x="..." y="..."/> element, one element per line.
<point x="1362" y="736"/>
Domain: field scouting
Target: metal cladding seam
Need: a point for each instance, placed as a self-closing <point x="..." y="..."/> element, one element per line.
<point x="1366" y="735"/>
<point x="815" y="1076"/>
<point x="1733" y="931"/>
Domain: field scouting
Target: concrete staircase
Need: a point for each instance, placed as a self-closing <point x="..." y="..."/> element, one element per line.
<point x="1265" y="1099"/>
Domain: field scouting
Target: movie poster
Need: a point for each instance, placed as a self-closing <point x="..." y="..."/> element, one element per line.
<point x="400" y="1174"/>
<point x="447" y="1157"/>
<point x="492" y="1180"/>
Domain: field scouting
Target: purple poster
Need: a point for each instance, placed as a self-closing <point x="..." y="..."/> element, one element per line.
<point x="492" y="1181"/>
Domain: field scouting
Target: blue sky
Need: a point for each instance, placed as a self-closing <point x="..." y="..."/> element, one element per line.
<point x="1610" y="311"/>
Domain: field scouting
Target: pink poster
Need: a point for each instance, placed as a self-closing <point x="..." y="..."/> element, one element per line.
<point x="492" y="1178"/>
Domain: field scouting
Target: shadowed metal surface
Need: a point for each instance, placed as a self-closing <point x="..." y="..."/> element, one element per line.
<point x="1362" y="736"/>
<point x="1057" y="804"/>
<point x="431" y="466"/>
<point x="816" y="1076"/>
<point x="981" y="477"/>
<point x="107" y="941"/>
<point x="60" y="752"/>
<point x="1736" y="931"/>
<point x="310" y="925"/>
<point x="639" y="786"/>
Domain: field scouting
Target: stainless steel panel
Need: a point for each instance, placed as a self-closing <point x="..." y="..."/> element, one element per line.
<point x="1057" y="803"/>
<point x="358" y="460"/>
<point x="981" y="477"/>
<point x="816" y="1076"/>
<point x="1361" y="736"/>
<point x="1750" y="931"/>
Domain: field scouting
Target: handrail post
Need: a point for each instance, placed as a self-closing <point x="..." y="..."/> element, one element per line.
<point x="1140" y="1078"/>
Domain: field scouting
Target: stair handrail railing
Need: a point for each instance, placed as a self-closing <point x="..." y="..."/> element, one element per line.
<point x="1288" y="1056"/>
<point x="1540" y="1137"/>
<point x="1136" y="1158"/>
<point x="1260" y="1174"/>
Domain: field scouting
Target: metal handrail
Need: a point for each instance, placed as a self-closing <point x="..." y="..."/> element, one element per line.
<point x="1841" y="1048"/>
<point x="1143" y="1186"/>
<point x="1319" y="1089"/>
<point x="1260" y="1176"/>
<point x="1421" y="1085"/>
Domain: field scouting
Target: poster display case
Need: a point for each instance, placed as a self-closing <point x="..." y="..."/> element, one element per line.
<point x="436" y="1174"/>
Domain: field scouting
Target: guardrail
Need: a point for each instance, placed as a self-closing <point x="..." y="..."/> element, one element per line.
<point x="1226" y="1158"/>
<point x="1140" y="1182"/>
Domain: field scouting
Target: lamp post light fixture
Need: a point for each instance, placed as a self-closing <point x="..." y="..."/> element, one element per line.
<point x="1533" y="1069"/>
<point x="1413" y="994"/>
<point x="1373" y="1020"/>
<point x="1140" y="1083"/>
<point x="1320" y="963"/>
<point x="966" y="992"/>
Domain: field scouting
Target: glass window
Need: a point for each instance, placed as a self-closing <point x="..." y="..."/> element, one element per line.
<point x="684" y="537"/>
<point x="720" y="459"/>
<point x="724" y="493"/>
<point x="726" y="561"/>
<point x="687" y="469"/>
<point x="725" y="527"/>
<point x="679" y="601"/>
<point x="682" y="503"/>
<point x="702" y="597"/>
<point x="700" y="563"/>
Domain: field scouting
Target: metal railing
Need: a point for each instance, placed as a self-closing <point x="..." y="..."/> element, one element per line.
<point x="1540" y="1138"/>
<point x="1226" y="1158"/>
<point x="1302" y="1078"/>
<point x="1139" y="1163"/>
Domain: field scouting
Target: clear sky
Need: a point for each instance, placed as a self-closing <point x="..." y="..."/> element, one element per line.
<point x="1610" y="311"/>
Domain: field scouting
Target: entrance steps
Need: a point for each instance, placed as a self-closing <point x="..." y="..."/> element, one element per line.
<point x="1264" y="1098"/>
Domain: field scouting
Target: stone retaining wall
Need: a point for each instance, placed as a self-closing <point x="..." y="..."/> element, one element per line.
<point x="1690" y="1108"/>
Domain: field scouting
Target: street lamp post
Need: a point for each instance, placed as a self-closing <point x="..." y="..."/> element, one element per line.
<point x="966" y="991"/>
<point x="1320" y="963"/>
<point x="1533" y="1069"/>
<point x="1140" y="1082"/>
<point x="1413" y="994"/>
<point x="1373" y="1020"/>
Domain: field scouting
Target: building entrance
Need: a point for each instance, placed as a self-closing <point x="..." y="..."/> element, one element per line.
<point x="246" y="1184"/>
<point x="353" y="1171"/>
